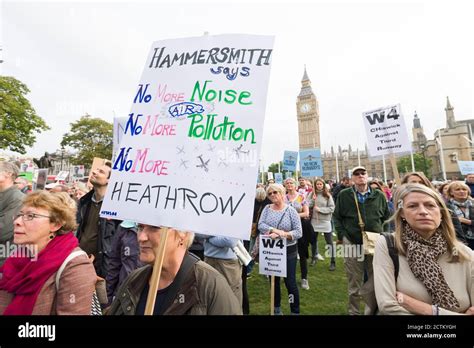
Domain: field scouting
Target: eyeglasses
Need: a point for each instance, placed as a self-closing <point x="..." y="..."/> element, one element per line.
<point x="272" y="193"/>
<point x="29" y="216"/>
<point x="359" y="173"/>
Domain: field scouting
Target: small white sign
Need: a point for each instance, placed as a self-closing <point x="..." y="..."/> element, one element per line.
<point x="466" y="167"/>
<point x="272" y="256"/>
<point x="270" y="176"/>
<point x="386" y="131"/>
<point x="62" y="175"/>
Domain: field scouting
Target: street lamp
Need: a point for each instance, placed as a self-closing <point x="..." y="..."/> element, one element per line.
<point x="423" y="149"/>
<point x="62" y="156"/>
<point x="441" y="153"/>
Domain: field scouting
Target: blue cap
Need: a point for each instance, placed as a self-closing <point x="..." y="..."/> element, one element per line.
<point x="128" y="224"/>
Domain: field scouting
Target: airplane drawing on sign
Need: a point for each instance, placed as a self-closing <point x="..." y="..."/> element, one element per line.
<point x="238" y="150"/>
<point x="309" y="158"/>
<point x="180" y="150"/>
<point x="183" y="164"/>
<point x="203" y="164"/>
<point x="291" y="158"/>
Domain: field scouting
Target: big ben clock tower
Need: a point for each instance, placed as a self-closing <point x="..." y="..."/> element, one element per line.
<point x="307" y="111"/>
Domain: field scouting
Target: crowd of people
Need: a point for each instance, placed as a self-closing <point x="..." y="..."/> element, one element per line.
<point x="63" y="258"/>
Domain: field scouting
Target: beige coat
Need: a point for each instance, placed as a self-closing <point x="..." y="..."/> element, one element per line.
<point x="459" y="276"/>
<point x="74" y="297"/>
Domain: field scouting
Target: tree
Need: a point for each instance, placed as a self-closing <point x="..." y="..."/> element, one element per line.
<point x="90" y="137"/>
<point x="274" y="167"/>
<point x="18" y="120"/>
<point x="422" y="164"/>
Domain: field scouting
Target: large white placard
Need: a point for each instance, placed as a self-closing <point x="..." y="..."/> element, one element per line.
<point x="386" y="131"/>
<point x="189" y="154"/>
<point x="272" y="256"/>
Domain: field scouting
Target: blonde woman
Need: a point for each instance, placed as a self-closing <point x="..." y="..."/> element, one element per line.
<point x="435" y="270"/>
<point x="461" y="204"/>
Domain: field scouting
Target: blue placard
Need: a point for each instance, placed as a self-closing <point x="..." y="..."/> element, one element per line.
<point x="466" y="167"/>
<point x="289" y="161"/>
<point x="310" y="163"/>
<point x="279" y="178"/>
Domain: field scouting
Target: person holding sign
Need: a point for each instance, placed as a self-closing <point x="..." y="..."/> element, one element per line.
<point x="434" y="269"/>
<point x="187" y="286"/>
<point x="279" y="220"/>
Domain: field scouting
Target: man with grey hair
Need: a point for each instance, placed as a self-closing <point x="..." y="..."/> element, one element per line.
<point x="10" y="202"/>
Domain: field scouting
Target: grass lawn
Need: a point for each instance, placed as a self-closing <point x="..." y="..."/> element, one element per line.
<point x="327" y="294"/>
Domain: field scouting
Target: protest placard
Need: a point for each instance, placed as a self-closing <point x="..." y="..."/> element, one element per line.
<point x="279" y="178"/>
<point x="272" y="256"/>
<point x="189" y="153"/>
<point x="466" y="167"/>
<point x="77" y="172"/>
<point x="289" y="160"/>
<point x="310" y="163"/>
<point x="386" y="131"/>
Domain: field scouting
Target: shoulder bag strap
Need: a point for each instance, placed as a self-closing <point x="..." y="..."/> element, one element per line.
<point x="188" y="263"/>
<point x="361" y="223"/>
<point x="392" y="251"/>
<point x="283" y="215"/>
<point x="65" y="262"/>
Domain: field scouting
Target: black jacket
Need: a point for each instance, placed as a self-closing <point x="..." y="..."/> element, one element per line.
<point x="106" y="230"/>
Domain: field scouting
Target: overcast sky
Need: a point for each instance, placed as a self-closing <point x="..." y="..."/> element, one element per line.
<point x="88" y="57"/>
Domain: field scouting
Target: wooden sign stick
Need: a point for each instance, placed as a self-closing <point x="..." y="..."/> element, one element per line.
<point x="272" y="296"/>
<point x="393" y="162"/>
<point x="155" y="276"/>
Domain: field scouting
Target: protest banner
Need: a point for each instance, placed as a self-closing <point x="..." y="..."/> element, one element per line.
<point x="62" y="175"/>
<point x="191" y="141"/>
<point x="272" y="256"/>
<point x="387" y="134"/>
<point x="466" y="167"/>
<point x="77" y="172"/>
<point x="310" y="163"/>
<point x="270" y="176"/>
<point x="279" y="178"/>
<point x="39" y="179"/>
<point x="289" y="160"/>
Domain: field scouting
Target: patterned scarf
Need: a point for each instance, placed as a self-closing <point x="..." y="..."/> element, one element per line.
<point x="457" y="208"/>
<point x="422" y="256"/>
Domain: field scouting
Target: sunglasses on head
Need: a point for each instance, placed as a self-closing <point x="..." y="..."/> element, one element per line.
<point x="272" y="193"/>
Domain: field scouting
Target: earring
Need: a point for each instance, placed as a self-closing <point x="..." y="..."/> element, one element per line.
<point x="51" y="236"/>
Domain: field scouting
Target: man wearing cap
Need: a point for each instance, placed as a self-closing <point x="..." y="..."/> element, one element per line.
<point x="374" y="212"/>
<point x="10" y="203"/>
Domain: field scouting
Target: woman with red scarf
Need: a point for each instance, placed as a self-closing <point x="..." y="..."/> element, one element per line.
<point x="44" y="239"/>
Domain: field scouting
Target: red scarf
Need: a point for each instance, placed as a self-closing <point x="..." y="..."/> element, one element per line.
<point x="24" y="277"/>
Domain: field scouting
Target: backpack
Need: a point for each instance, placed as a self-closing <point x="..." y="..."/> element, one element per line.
<point x="96" y="308"/>
<point x="368" y="288"/>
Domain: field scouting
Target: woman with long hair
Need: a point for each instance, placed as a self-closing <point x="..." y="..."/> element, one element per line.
<point x="434" y="268"/>
<point x="322" y="206"/>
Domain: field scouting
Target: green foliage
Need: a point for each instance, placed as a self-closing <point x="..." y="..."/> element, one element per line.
<point x="422" y="164"/>
<point x="18" y="120"/>
<point x="90" y="137"/>
<point x="274" y="167"/>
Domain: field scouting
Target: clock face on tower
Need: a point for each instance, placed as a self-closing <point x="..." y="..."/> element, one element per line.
<point x="305" y="107"/>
